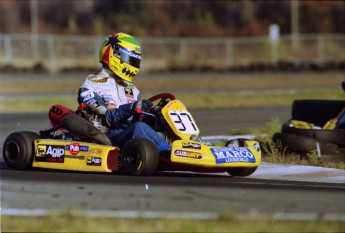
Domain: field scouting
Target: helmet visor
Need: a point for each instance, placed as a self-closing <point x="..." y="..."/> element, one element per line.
<point x="128" y="56"/>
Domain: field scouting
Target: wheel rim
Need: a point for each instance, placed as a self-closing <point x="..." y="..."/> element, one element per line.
<point x="12" y="151"/>
<point x="132" y="161"/>
<point x="233" y="143"/>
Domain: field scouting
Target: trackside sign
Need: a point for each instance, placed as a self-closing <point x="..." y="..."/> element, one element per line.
<point x="233" y="155"/>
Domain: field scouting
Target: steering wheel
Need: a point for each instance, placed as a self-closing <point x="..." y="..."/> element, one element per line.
<point x="162" y="98"/>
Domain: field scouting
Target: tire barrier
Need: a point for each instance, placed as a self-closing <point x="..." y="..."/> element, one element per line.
<point x="317" y="112"/>
<point x="301" y="140"/>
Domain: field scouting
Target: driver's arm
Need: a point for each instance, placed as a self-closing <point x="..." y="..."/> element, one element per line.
<point x="117" y="117"/>
<point x="90" y="97"/>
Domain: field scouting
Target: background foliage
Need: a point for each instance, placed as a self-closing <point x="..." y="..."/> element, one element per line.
<point x="185" y="18"/>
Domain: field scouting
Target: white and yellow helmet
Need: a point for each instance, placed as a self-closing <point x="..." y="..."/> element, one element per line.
<point x="121" y="53"/>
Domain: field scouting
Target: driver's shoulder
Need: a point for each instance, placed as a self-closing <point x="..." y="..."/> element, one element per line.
<point x="96" y="78"/>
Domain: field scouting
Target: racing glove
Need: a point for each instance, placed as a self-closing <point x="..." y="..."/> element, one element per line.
<point x="146" y="104"/>
<point x="141" y="106"/>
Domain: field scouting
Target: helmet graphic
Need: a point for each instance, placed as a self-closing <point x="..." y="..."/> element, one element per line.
<point x="121" y="53"/>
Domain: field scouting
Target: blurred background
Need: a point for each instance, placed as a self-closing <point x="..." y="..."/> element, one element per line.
<point x="59" y="35"/>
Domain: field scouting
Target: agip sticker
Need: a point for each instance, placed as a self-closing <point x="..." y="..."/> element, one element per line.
<point x="50" y="153"/>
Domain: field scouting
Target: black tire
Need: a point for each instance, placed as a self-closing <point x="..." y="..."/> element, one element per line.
<point x="331" y="149"/>
<point x="293" y="130"/>
<point x="336" y="136"/>
<point x="139" y="157"/>
<point x="239" y="171"/>
<point x="242" y="171"/>
<point x="239" y="141"/>
<point x="295" y="142"/>
<point x="317" y="112"/>
<point x="18" y="150"/>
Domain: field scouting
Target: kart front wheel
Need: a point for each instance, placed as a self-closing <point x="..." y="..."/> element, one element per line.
<point x="242" y="171"/>
<point x="139" y="157"/>
<point x="18" y="150"/>
<point x="239" y="171"/>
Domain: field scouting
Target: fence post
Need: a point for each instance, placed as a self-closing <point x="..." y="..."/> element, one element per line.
<point x="274" y="37"/>
<point x="229" y="52"/>
<point x="321" y="48"/>
<point x="51" y="55"/>
<point x="8" y="49"/>
<point x="183" y="48"/>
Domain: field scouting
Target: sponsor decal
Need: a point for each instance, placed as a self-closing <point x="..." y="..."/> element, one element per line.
<point x="75" y="157"/>
<point x="96" y="151"/>
<point x="169" y="104"/>
<point x="50" y="153"/>
<point x="129" y="53"/>
<point x="257" y="147"/>
<point x="87" y="95"/>
<point x="191" y="145"/>
<point x="92" y="102"/>
<point x="188" y="154"/>
<point x="233" y="155"/>
<point x="74" y="148"/>
<point x="94" y="161"/>
<point x="102" y="80"/>
<point x="129" y="92"/>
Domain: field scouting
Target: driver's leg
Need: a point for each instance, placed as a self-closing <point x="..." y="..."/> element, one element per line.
<point x="138" y="130"/>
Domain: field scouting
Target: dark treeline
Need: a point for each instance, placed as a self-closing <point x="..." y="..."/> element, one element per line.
<point x="213" y="18"/>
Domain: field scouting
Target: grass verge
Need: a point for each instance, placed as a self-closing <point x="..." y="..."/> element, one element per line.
<point x="190" y="99"/>
<point x="276" y="153"/>
<point x="225" y="223"/>
<point x="29" y="93"/>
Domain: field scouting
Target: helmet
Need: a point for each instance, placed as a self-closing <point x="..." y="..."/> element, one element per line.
<point x="121" y="53"/>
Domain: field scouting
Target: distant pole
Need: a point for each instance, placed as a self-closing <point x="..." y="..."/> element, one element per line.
<point x="274" y="36"/>
<point x="34" y="28"/>
<point x="294" y="23"/>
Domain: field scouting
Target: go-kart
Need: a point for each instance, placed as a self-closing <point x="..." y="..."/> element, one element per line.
<point x="77" y="141"/>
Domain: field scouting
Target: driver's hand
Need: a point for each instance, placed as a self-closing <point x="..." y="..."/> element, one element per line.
<point x="146" y="104"/>
<point x="141" y="106"/>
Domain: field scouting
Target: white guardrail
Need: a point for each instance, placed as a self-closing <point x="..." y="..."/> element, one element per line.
<point x="64" y="51"/>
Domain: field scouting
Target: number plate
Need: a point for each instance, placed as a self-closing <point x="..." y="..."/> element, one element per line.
<point x="183" y="121"/>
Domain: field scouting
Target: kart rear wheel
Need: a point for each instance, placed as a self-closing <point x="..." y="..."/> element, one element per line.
<point x="18" y="150"/>
<point x="239" y="171"/>
<point x="139" y="157"/>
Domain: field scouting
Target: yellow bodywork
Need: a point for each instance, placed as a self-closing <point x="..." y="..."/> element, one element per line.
<point x="75" y="156"/>
<point x="199" y="154"/>
<point x="189" y="151"/>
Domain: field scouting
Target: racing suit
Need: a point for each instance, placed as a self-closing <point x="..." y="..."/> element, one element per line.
<point x="117" y="103"/>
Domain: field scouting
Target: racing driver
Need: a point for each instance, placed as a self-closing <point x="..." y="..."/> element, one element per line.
<point x="111" y="92"/>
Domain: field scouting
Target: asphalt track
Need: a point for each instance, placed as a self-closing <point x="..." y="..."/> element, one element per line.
<point x="275" y="191"/>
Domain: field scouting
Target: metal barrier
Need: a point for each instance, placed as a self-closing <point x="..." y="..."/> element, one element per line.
<point x="58" y="52"/>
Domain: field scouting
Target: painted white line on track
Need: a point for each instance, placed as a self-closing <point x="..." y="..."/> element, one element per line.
<point x="339" y="217"/>
<point x="110" y="214"/>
